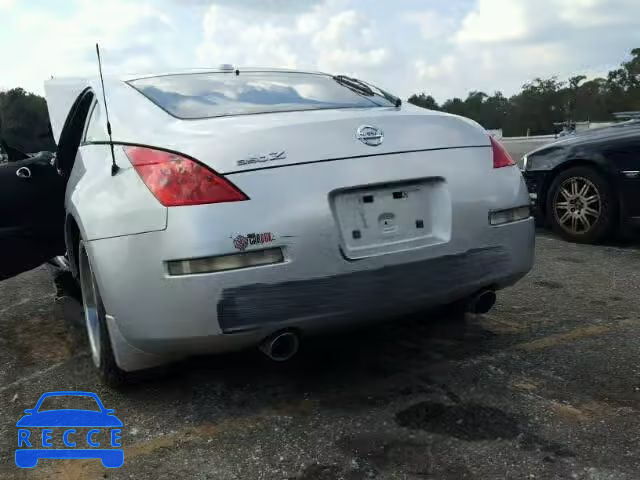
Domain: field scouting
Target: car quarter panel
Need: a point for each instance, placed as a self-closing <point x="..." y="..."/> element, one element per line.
<point x="157" y="312"/>
<point x="107" y="206"/>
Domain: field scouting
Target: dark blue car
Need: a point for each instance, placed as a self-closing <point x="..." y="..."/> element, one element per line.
<point x="62" y="424"/>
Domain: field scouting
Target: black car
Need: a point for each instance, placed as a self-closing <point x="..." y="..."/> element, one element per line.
<point x="587" y="186"/>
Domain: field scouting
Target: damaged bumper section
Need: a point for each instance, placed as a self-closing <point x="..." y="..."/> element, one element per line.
<point x="388" y="288"/>
<point x="153" y="312"/>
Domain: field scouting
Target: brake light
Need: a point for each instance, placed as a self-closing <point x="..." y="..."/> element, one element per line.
<point x="176" y="180"/>
<point x="501" y="157"/>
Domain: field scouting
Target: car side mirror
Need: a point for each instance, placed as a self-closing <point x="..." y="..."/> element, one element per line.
<point x="29" y="411"/>
<point x="109" y="411"/>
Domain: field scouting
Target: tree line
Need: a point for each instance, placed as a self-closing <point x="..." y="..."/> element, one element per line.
<point x="544" y="102"/>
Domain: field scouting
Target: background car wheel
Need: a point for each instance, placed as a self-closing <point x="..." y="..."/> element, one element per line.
<point x="580" y="205"/>
<point x="97" y="332"/>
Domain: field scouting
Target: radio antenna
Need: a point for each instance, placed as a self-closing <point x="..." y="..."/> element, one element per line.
<point x="114" y="166"/>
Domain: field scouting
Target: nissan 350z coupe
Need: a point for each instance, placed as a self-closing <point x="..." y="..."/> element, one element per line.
<point x="240" y="207"/>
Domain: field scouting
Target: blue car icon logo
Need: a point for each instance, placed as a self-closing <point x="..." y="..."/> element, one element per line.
<point x="69" y="433"/>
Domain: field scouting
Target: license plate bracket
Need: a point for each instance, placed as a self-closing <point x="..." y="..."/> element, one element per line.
<point x="381" y="219"/>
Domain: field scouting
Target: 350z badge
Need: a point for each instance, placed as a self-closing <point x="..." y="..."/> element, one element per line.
<point x="241" y="242"/>
<point x="262" y="158"/>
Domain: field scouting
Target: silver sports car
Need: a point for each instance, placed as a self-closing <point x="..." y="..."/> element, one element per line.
<point x="242" y="207"/>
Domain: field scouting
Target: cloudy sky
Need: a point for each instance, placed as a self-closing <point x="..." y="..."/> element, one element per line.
<point x="445" y="48"/>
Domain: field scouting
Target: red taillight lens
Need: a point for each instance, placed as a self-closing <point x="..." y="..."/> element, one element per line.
<point x="177" y="181"/>
<point x="501" y="157"/>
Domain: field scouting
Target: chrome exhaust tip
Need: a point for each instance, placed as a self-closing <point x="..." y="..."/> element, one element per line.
<point x="281" y="346"/>
<point x="482" y="302"/>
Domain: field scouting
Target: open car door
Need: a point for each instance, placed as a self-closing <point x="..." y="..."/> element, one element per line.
<point x="32" y="190"/>
<point x="31" y="214"/>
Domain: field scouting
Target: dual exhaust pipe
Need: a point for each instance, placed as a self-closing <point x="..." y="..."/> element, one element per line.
<point x="281" y="346"/>
<point x="481" y="302"/>
<point x="284" y="344"/>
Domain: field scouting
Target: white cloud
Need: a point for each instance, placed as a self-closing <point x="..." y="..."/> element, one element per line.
<point x="348" y="41"/>
<point x="325" y="38"/>
<point x="501" y="45"/>
<point x="45" y="46"/>
<point x="405" y="46"/>
<point x="594" y="13"/>
<point x="431" y="23"/>
<point x="494" y="20"/>
<point x="231" y="38"/>
<point x="446" y="66"/>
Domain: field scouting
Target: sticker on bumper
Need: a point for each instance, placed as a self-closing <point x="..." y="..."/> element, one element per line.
<point x="241" y="242"/>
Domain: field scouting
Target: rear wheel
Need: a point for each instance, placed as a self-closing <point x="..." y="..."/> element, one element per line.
<point x="95" y="321"/>
<point x="580" y="205"/>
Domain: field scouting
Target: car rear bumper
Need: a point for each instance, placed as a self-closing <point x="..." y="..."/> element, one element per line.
<point x="216" y="312"/>
<point x="387" y="289"/>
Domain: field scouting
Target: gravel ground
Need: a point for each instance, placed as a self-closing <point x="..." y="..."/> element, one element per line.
<point x="545" y="386"/>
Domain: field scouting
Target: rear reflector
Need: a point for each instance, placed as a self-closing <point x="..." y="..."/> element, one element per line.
<point x="226" y="262"/>
<point x="501" y="157"/>
<point x="176" y="180"/>
<point x="510" y="215"/>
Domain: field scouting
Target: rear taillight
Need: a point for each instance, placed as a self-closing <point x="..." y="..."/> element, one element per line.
<point x="177" y="181"/>
<point x="501" y="157"/>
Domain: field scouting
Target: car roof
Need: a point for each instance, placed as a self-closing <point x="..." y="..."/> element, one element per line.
<point x="190" y="71"/>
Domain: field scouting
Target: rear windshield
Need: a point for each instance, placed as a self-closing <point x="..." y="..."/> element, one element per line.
<point x="206" y="95"/>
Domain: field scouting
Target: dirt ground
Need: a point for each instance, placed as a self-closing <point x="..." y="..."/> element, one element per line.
<point x="545" y="386"/>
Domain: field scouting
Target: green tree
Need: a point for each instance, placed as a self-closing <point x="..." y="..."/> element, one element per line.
<point x="572" y="96"/>
<point x="591" y="102"/>
<point x="24" y="121"/>
<point x="455" y="106"/>
<point x="497" y="109"/>
<point x="425" y="101"/>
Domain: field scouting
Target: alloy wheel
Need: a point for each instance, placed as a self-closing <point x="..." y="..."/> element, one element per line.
<point x="577" y="205"/>
<point x="90" y="305"/>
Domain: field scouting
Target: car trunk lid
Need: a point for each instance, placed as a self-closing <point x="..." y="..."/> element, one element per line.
<point x="249" y="142"/>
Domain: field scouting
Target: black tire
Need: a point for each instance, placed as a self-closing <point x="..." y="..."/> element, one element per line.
<point x="600" y="226"/>
<point x="105" y="362"/>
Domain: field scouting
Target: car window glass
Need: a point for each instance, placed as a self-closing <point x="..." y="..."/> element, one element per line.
<point x="67" y="401"/>
<point x="94" y="132"/>
<point x="205" y="95"/>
